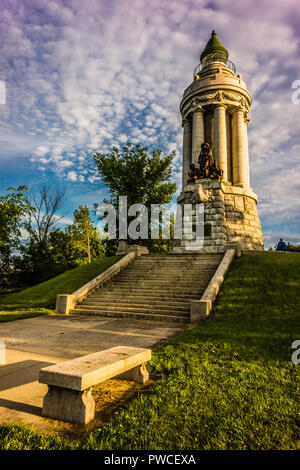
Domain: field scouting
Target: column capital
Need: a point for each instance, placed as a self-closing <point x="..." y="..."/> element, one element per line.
<point x="186" y="120"/>
<point x="220" y="105"/>
<point x="199" y="109"/>
<point x="238" y="109"/>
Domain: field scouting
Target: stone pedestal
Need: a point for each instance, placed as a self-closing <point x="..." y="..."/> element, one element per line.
<point x="139" y="374"/>
<point x="69" y="405"/>
<point x="124" y="248"/>
<point x="230" y="216"/>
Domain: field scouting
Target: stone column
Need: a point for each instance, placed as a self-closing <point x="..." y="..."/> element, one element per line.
<point x="187" y="149"/>
<point x="247" y="169"/>
<point x="239" y="168"/>
<point x="220" y="151"/>
<point x="198" y="134"/>
<point x="229" y="152"/>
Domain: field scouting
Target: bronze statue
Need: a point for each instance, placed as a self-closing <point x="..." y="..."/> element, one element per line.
<point x="193" y="174"/>
<point x="208" y="166"/>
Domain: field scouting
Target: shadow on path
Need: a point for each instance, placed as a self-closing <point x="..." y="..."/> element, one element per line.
<point x="20" y="373"/>
<point x="18" y="406"/>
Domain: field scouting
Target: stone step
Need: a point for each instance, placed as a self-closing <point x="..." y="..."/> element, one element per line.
<point x="156" y="283"/>
<point x="154" y="287"/>
<point x="174" y="260"/>
<point x="149" y="289"/>
<point x="150" y="296"/>
<point x="179" y="256"/>
<point x="204" y="276"/>
<point x="162" y="271"/>
<point x="166" y="275"/>
<point x="142" y="316"/>
<point x="136" y="301"/>
<point x="147" y="310"/>
<point x="146" y="307"/>
<point x="170" y="266"/>
<point x="161" y="274"/>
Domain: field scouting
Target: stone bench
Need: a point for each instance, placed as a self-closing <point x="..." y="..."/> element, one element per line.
<point x="69" y="396"/>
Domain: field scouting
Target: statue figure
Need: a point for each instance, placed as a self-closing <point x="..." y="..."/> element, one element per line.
<point x="193" y="173"/>
<point x="208" y="166"/>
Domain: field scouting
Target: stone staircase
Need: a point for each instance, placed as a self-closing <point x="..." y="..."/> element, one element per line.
<point x="153" y="287"/>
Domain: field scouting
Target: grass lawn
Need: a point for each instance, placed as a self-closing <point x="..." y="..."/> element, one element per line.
<point x="11" y="315"/>
<point x="228" y="383"/>
<point x="44" y="294"/>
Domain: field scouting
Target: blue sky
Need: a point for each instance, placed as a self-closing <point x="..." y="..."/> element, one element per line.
<point x="84" y="76"/>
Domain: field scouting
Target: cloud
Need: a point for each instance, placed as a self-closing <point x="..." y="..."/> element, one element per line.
<point x="84" y="76"/>
<point x="72" y="176"/>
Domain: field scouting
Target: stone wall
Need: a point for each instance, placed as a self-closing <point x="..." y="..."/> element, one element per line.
<point x="242" y="221"/>
<point x="230" y="216"/>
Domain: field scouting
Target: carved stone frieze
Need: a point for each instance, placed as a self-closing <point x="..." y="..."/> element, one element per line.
<point x="218" y="96"/>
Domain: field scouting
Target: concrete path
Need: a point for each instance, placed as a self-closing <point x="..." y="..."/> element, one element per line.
<point x="37" y="342"/>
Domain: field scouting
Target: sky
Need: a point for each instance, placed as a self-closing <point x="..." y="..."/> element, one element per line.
<point x="83" y="76"/>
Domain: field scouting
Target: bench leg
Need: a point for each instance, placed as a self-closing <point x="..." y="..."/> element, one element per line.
<point x="69" y="405"/>
<point x="139" y="374"/>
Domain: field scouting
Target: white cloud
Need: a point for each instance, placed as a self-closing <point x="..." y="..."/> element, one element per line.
<point x="64" y="164"/>
<point x="72" y="176"/>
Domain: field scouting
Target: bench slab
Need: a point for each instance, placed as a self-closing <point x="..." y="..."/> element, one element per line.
<point x="69" y="395"/>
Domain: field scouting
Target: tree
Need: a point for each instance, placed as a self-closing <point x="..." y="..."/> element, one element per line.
<point x="84" y="235"/>
<point x="13" y="208"/>
<point x="63" y="250"/>
<point x="47" y="201"/>
<point x="163" y="245"/>
<point x="37" y="260"/>
<point x="134" y="172"/>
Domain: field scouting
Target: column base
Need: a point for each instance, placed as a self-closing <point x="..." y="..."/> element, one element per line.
<point x="241" y="185"/>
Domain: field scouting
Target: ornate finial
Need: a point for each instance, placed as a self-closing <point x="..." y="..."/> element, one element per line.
<point x="214" y="45"/>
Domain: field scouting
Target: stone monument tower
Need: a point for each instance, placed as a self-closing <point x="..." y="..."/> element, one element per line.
<point x="214" y="113"/>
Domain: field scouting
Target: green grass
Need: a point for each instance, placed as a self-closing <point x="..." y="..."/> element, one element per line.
<point x="44" y="294"/>
<point x="24" y="437"/>
<point x="11" y="315"/>
<point x="228" y="383"/>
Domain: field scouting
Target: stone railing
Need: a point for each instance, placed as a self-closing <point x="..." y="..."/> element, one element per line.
<point x="66" y="302"/>
<point x="222" y="61"/>
<point x="200" y="308"/>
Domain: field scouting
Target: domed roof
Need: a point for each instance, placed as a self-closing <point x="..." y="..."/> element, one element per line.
<point x="214" y="45"/>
